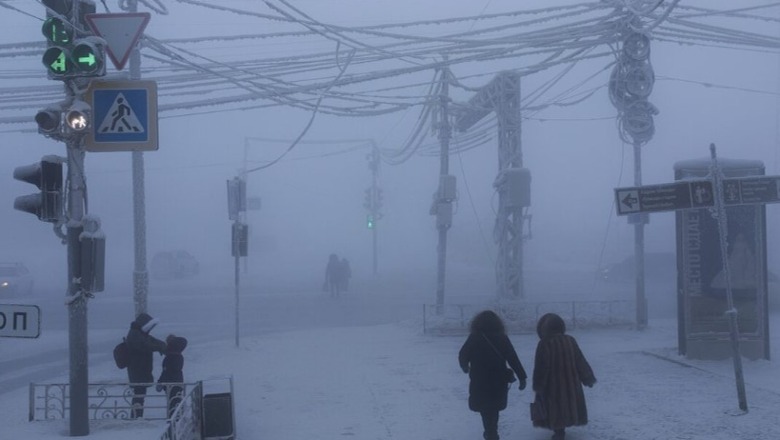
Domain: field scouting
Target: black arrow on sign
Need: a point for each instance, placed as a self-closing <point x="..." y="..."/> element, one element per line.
<point x="629" y="201"/>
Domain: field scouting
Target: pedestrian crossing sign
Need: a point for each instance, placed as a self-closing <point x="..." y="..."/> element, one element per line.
<point x="124" y="116"/>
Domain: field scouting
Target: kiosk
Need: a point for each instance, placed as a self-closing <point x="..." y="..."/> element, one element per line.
<point x="703" y="328"/>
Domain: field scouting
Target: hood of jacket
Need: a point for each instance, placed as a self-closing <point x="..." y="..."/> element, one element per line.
<point x="145" y="322"/>
<point x="176" y="344"/>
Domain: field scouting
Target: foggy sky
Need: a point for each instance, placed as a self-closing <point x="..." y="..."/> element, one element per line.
<point x="312" y="207"/>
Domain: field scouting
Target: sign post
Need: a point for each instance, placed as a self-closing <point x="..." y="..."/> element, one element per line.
<point x="20" y="321"/>
<point x="717" y="193"/>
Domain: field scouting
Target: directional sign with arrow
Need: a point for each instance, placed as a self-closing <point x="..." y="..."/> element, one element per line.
<point x="666" y="197"/>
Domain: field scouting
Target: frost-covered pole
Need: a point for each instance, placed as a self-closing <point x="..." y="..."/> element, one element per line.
<point x="237" y="278"/>
<point x="444" y="207"/>
<point x="75" y="298"/>
<point x="731" y="313"/>
<point x="375" y="203"/>
<point x="140" y="274"/>
<point x="639" y="248"/>
<point x="630" y="86"/>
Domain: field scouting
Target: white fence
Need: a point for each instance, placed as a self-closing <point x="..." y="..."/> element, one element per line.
<point x="521" y="317"/>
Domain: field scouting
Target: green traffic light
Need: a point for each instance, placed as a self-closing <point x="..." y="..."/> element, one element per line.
<point x="370" y="222"/>
<point x="85" y="58"/>
<point x="56" y="31"/>
<point x="56" y="61"/>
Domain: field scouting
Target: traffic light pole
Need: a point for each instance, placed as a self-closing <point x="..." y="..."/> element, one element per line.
<point x="75" y="300"/>
<point x="237" y="279"/>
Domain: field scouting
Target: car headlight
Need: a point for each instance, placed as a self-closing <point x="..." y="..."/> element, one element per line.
<point x="4" y="284"/>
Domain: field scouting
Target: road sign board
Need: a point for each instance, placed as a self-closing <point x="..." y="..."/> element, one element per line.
<point x="751" y="190"/>
<point x="20" y="321"/>
<point x="121" y="32"/>
<point x="124" y="116"/>
<point x="666" y="197"/>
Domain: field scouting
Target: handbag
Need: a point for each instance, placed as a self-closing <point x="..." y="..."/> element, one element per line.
<point x="509" y="374"/>
<point x="538" y="412"/>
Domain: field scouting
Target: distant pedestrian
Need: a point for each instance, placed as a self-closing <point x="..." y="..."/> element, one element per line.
<point x="484" y="356"/>
<point x="346" y="274"/>
<point x="560" y="370"/>
<point x="141" y="346"/>
<point x="333" y="276"/>
<point x="172" y="375"/>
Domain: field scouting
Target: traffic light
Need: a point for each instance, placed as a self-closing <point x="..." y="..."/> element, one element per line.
<point x="240" y="242"/>
<point x="49" y="121"/>
<point x="47" y="176"/>
<point x="93" y="255"/>
<point x="370" y="221"/>
<point x="367" y="203"/>
<point x="72" y="49"/>
<point x="64" y="119"/>
<point x="378" y="202"/>
<point x="78" y="117"/>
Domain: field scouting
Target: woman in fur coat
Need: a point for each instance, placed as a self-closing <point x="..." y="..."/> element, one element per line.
<point x="484" y="356"/>
<point x="560" y="370"/>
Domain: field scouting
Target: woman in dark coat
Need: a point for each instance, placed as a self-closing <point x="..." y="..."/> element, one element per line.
<point x="484" y="357"/>
<point x="560" y="370"/>
<point x="172" y="375"/>
<point x="141" y="346"/>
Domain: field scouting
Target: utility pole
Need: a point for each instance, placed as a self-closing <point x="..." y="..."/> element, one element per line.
<point x="513" y="182"/>
<point x="639" y="246"/>
<point x="140" y="273"/>
<point x="445" y="194"/>
<point x="630" y="85"/>
<point x="373" y="202"/>
<point x="236" y="189"/>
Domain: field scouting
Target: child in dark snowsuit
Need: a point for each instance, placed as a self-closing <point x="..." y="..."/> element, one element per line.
<point x="172" y="376"/>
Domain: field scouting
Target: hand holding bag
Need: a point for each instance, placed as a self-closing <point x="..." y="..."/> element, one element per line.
<point x="538" y="411"/>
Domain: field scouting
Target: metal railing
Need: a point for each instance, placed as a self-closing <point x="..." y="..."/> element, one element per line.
<point x="186" y="421"/>
<point x="190" y="419"/>
<point x="106" y="400"/>
<point x="521" y="317"/>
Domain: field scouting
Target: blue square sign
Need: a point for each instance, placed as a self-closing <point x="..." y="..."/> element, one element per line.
<point x="124" y="116"/>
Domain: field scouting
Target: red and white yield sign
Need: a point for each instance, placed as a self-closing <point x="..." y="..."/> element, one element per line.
<point x="121" y="32"/>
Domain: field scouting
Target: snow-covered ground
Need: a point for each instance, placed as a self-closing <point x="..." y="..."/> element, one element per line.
<point x="393" y="382"/>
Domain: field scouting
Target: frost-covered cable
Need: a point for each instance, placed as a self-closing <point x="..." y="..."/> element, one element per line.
<point x="305" y="130"/>
<point x="4" y="4"/>
<point x="736" y="12"/>
<point x="330" y="30"/>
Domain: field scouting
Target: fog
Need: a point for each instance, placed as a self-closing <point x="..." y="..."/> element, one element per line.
<point x="312" y="200"/>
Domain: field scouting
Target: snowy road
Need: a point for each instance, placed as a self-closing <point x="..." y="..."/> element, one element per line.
<point x="388" y="381"/>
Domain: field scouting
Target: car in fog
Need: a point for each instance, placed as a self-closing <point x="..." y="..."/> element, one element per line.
<point x="15" y="279"/>
<point x="178" y="264"/>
